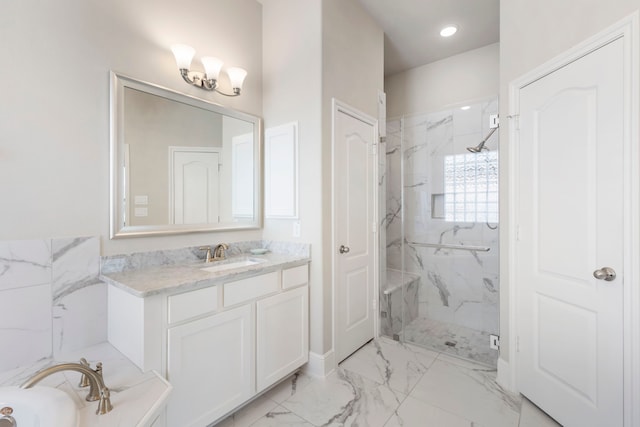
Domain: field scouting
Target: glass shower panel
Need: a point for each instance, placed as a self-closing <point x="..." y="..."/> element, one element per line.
<point x="442" y="235"/>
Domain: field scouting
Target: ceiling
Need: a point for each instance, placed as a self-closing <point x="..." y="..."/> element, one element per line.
<point x="412" y="29"/>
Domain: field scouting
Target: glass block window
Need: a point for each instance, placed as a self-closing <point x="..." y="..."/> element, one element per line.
<point x="471" y="187"/>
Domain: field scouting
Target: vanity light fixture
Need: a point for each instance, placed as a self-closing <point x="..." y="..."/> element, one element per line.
<point x="212" y="66"/>
<point x="448" y="31"/>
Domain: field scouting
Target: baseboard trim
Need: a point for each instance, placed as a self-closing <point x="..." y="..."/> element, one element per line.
<point x="320" y="365"/>
<point x="503" y="377"/>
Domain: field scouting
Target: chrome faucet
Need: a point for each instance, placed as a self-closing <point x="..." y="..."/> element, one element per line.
<point x="218" y="252"/>
<point x="97" y="389"/>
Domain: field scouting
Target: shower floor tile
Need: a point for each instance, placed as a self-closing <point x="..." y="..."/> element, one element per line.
<point x="451" y="339"/>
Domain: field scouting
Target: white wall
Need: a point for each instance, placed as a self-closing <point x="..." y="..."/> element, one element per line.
<point x="292" y="67"/>
<point x="467" y="77"/>
<point x="352" y="72"/>
<point x="314" y="51"/>
<point x="54" y="109"/>
<point x="532" y="33"/>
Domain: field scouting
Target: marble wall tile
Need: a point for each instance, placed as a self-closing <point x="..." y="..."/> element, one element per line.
<point x="79" y="297"/>
<point x="75" y="264"/>
<point x="52" y="298"/>
<point x="80" y="319"/>
<point x="24" y="263"/>
<point x="25" y="325"/>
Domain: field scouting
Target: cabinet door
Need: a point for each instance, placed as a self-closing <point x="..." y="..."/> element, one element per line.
<point x="210" y="365"/>
<point x="282" y="335"/>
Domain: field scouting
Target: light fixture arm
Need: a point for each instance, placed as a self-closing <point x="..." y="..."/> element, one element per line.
<point x="200" y="80"/>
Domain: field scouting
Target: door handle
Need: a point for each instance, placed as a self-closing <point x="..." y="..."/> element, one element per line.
<point x="605" y="273"/>
<point x="344" y="249"/>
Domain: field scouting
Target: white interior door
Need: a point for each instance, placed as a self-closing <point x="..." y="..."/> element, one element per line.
<point x="354" y="136"/>
<point x="570" y="225"/>
<point x="196" y="186"/>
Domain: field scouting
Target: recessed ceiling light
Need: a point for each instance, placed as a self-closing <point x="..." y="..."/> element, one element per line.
<point x="466" y="107"/>
<point x="448" y="31"/>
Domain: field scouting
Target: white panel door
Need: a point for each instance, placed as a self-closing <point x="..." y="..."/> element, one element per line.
<point x="353" y="163"/>
<point x="196" y="187"/>
<point x="570" y="209"/>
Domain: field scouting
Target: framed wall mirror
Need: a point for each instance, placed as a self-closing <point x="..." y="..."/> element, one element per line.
<point x="180" y="164"/>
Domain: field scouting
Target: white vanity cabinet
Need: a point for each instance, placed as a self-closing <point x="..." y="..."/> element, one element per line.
<point x="218" y="346"/>
<point x="282" y="335"/>
<point x="209" y="365"/>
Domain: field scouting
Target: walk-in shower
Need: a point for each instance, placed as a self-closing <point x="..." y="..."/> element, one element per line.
<point x="440" y="287"/>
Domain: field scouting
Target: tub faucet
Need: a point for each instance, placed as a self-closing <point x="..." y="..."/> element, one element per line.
<point x="97" y="389"/>
<point x="218" y="252"/>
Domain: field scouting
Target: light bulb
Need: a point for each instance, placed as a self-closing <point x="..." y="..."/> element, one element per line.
<point x="212" y="67"/>
<point x="184" y="55"/>
<point x="236" y="77"/>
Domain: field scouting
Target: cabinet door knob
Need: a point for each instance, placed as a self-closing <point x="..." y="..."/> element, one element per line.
<point x="344" y="249"/>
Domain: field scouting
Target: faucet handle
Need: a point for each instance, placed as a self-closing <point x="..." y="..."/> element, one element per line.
<point x="99" y="369"/>
<point x="208" y="249"/>
<point x="84" y="380"/>
<point x="104" y="405"/>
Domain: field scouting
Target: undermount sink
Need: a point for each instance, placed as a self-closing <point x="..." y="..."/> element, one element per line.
<point x="39" y="407"/>
<point x="230" y="265"/>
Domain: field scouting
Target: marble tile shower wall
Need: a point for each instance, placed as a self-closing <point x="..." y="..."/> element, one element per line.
<point x="52" y="300"/>
<point x="457" y="286"/>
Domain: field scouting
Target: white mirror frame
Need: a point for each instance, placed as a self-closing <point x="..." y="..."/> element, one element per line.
<point x="118" y="83"/>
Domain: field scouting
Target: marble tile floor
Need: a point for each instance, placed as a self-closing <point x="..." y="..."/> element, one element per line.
<point x="469" y="343"/>
<point x="389" y="384"/>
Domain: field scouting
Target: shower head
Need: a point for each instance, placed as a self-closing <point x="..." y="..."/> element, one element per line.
<point x="478" y="148"/>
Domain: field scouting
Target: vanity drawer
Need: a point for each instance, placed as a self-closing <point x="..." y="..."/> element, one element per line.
<point x="250" y="288"/>
<point x="295" y="276"/>
<point x="192" y="304"/>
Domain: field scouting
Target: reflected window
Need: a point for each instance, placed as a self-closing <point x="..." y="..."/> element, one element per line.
<point x="471" y="187"/>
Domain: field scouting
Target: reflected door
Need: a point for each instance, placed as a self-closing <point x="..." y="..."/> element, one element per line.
<point x="571" y="225"/>
<point x="196" y="184"/>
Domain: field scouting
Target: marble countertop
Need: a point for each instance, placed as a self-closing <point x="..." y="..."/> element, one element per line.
<point x="145" y="282"/>
<point x="137" y="397"/>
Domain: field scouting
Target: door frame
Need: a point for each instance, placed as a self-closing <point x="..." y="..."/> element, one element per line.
<point x="627" y="29"/>
<point x="337" y="106"/>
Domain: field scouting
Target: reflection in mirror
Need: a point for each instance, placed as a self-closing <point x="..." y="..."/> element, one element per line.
<point x="180" y="164"/>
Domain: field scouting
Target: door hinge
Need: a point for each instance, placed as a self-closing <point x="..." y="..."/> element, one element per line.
<point x="494" y="342"/>
<point x="494" y="121"/>
<point x="374" y="304"/>
<point x="375" y="149"/>
<point x="518" y="343"/>
<point x="374" y="227"/>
